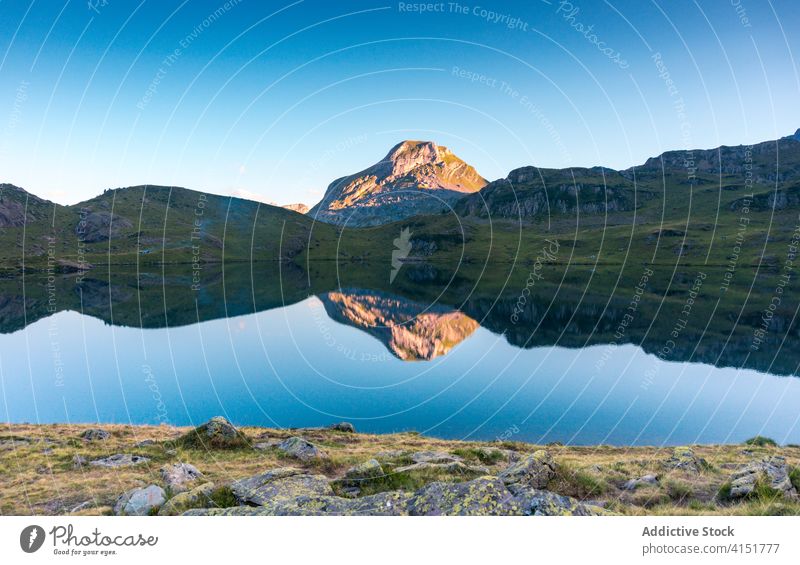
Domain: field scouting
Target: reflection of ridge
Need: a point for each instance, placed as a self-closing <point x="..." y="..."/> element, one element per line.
<point x="412" y="331"/>
<point x="567" y="316"/>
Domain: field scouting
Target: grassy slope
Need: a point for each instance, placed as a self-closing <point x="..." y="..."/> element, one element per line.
<point x="37" y="475"/>
<point x="656" y="215"/>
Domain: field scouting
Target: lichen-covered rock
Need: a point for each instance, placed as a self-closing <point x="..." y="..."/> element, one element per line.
<point x="95" y="434"/>
<point x="535" y="502"/>
<point x="217" y="433"/>
<point x="198" y="497"/>
<point x="452" y="468"/>
<point x="140" y="501"/>
<point x="772" y="470"/>
<point x="279" y="484"/>
<point x="346" y="427"/>
<point x="485" y="496"/>
<point x="364" y="472"/>
<point x="120" y="460"/>
<point x="644" y="480"/>
<point x="179" y="476"/>
<point x="382" y="504"/>
<point x="534" y="470"/>
<point x="438" y="457"/>
<point x="684" y="459"/>
<point x="301" y="448"/>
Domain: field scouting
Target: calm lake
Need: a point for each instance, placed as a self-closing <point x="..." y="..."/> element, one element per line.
<point x="568" y="360"/>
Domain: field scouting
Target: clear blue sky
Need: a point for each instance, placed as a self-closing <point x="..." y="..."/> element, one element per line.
<point x="278" y="98"/>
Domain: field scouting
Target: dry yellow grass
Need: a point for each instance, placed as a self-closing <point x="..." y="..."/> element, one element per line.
<point x="38" y="475"/>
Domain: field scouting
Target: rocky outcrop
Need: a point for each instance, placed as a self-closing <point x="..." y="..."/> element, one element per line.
<point x="364" y="472"/>
<point x="198" y="497"/>
<point x="346" y="427"/>
<point x="684" y="459"/>
<point x="95" y="434"/>
<point x="280" y="484"/>
<point x="531" y="192"/>
<point x="535" y="470"/>
<point x="772" y="472"/>
<point x="140" y="501"/>
<point x="484" y="496"/>
<point x="301" y="448"/>
<point x="415" y="177"/>
<point x="97" y="226"/>
<point x="179" y="476"/>
<point x="217" y="433"/>
<point x="393" y="503"/>
<point x="534" y="502"/>
<point x="119" y="460"/>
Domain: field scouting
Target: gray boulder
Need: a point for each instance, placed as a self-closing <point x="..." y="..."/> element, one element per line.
<point x="346" y="427"/>
<point x="95" y="434"/>
<point x="684" y="459"/>
<point x="301" y="448"/>
<point x="773" y="471"/>
<point x="217" y="433"/>
<point x="485" y="496"/>
<point x="179" y="476"/>
<point x="438" y="457"/>
<point x="120" y="460"/>
<point x="535" y="502"/>
<point x="633" y="484"/>
<point x="364" y="472"/>
<point x="198" y="497"/>
<point x="381" y="504"/>
<point x="279" y="484"/>
<point x="140" y="501"/>
<point x="534" y="470"/>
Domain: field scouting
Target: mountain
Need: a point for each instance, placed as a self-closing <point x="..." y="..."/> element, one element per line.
<point x="150" y="223"/>
<point x="299" y="207"/>
<point x="19" y="207"/>
<point x="415" y="177"/>
<point x="531" y="192"/>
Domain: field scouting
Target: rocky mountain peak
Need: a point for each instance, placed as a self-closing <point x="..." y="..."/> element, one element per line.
<point x="408" y="155"/>
<point x="415" y="177"/>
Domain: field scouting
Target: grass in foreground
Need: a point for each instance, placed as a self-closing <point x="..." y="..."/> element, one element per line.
<point x="38" y="474"/>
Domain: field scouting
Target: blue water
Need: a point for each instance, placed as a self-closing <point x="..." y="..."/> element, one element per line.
<point x="294" y="367"/>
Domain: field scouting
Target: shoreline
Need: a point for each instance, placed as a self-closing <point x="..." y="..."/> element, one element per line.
<point x="86" y="469"/>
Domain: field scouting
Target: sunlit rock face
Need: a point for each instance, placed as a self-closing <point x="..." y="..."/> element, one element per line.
<point x="415" y="177"/>
<point x="410" y="330"/>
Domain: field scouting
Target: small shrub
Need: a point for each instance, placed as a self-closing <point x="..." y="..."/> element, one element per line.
<point x="487" y="457"/>
<point x="679" y="491"/>
<point x="761" y="441"/>
<point x="222" y="497"/>
<point x="764" y="492"/>
<point x="577" y="482"/>
<point x="794" y="476"/>
<point x="724" y="492"/>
